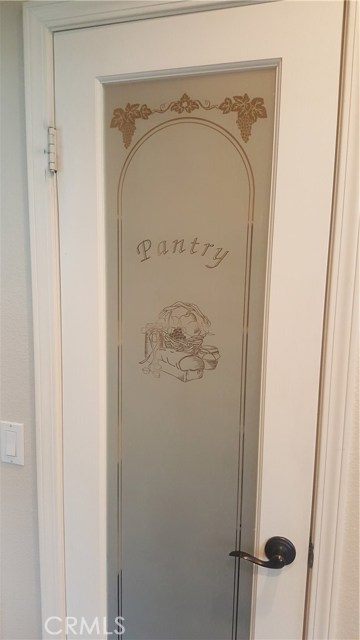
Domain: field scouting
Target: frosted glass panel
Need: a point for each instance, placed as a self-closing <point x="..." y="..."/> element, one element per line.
<point x="188" y="173"/>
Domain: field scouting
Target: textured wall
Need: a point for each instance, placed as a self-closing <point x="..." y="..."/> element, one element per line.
<point x="19" y="558"/>
<point x="19" y="587"/>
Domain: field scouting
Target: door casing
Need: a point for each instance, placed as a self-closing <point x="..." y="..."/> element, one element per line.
<point x="41" y="20"/>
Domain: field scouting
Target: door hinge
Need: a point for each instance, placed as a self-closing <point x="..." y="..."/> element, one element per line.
<point x="52" y="150"/>
<point x="311" y="555"/>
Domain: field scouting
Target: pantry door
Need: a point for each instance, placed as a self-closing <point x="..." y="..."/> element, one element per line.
<point x="196" y="159"/>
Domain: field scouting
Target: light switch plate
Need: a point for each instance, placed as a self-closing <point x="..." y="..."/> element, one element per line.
<point x="12" y="442"/>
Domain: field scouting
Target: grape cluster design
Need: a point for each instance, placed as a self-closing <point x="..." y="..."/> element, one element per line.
<point x="248" y="112"/>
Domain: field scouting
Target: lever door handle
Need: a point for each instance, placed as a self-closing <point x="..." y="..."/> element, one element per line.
<point x="280" y="552"/>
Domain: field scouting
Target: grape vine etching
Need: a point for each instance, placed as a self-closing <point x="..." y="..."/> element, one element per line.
<point x="248" y="112"/>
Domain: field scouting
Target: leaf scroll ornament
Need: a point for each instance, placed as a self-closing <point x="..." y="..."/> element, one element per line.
<point x="185" y="104"/>
<point x="248" y="111"/>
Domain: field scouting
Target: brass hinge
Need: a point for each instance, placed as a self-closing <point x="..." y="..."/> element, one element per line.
<point x="52" y="150"/>
<point x="311" y="555"/>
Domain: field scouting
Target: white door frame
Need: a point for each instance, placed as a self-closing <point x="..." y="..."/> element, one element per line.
<point x="41" y="20"/>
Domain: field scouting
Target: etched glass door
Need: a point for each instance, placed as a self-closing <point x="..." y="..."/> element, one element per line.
<point x="188" y="167"/>
<point x="194" y="216"/>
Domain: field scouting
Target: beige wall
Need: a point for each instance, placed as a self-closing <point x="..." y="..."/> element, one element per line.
<point x="19" y="587"/>
<point x="19" y="557"/>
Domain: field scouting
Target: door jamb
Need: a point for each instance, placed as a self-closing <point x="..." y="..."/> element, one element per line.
<point x="339" y="315"/>
<point x="41" y="20"/>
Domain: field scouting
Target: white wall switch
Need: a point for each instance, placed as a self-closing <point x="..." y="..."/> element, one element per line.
<point x="12" y="442"/>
